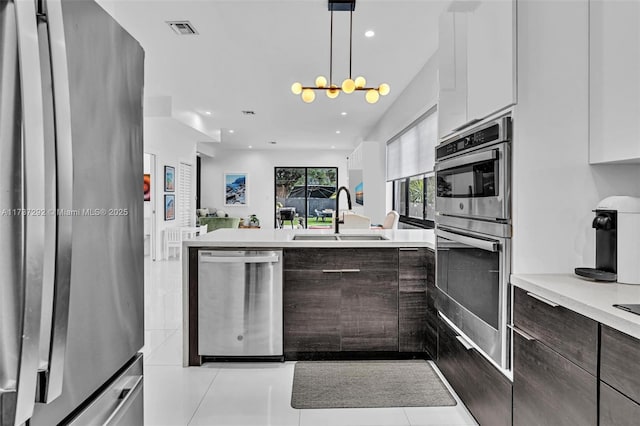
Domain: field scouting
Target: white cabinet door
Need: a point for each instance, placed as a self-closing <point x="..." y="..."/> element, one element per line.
<point x="490" y="58"/>
<point x="476" y="56"/>
<point x="614" y="81"/>
<point x="452" y="72"/>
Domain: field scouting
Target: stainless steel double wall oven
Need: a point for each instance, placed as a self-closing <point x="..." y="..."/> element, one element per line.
<point x="473" y="230"/>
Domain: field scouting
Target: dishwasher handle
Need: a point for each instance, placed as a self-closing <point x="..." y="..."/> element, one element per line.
<point x="212" y="257"/>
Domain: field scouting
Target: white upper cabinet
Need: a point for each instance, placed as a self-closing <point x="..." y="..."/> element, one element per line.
<point x="490" y="58"/>
<point x="452" y="72"/>
<point x="614" y="81"/>
<point x="477" y="61"/>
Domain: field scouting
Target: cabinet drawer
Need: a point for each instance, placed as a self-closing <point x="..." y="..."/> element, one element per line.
<point x="548" y="389"/>
<point x="483" y="389"/>
<point x="620" y="362"/>
<point x="572" y="335"/>
<point x="370" y="259"/>
<point x="616" y="409"/>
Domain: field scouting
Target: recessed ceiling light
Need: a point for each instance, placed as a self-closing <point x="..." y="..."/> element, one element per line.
<point x="231" y="131"/>
<point x="369" y="33"/>
<point x="208" y="112"/>
<point x="338" y="132"/>
<point x="333" y="147"/>
<point x="250" y="146"/>
<point x="343" y="113"/>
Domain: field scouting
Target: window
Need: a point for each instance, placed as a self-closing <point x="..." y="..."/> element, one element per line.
<point x="410" y="166"/>
<point x="305" y="196"/>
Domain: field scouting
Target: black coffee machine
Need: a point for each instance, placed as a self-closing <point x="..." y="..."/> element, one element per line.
<point x="606" y="225"/>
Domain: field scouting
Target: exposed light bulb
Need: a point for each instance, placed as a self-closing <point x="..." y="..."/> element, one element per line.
<point x="384" y="89"/>
<point x="333" y="92"/>
<point x="321" y="81"/>
<point x="348" y="86"/>
<point x="369" y="33"/>
<point x="372" y="96"/>
<point x="343" y="113"/>
<point x="360" y="82"/>
<point x="296" y="88"/>
<point x="308" y="96"/>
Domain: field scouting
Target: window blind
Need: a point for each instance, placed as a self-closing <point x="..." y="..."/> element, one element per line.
<point x="412" y="151"/>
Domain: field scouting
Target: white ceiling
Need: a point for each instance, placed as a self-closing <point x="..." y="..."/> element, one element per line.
<point x="249" y="52"/>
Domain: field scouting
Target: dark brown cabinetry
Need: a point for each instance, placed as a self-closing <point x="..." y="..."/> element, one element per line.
<point x="555" y="359"/>
<point x="340" y="300"/>
<point x="619" y="378"/>
<point x="619" y="362"/>
<point x="548" y="389"/>
<point x="572" y="335"/>
<point x="417" y="324"/>
<point x="616" y="409"/>
<point x="484" y="390"/>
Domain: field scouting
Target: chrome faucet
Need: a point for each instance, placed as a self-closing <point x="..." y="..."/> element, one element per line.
<point x="337" y="218"/>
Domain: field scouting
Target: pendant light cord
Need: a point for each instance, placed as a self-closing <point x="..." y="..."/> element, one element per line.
<point x="350" y="39"/>
<point x="331" y="52"/>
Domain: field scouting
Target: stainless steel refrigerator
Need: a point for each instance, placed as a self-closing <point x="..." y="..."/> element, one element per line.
<point x="71" y="216"/>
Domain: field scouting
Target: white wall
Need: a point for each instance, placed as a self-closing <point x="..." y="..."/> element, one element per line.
<point x="420" y="96"/>
<point x="259" y="164"/>
<point x="366" y="159"/>
<point x="555" y="188"/>
<point x="172" y="142"/>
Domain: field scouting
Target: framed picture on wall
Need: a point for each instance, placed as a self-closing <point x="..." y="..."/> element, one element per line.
<point x="147" y="187"/>
<point x="169" y="179"/>
<point x="235" y="189"/>
<point x="169" y="207"/>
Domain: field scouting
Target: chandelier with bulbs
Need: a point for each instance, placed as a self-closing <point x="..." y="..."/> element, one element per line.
<point x="349" y="85"/>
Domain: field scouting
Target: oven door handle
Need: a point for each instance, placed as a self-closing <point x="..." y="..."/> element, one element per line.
<point x="468" y="159"/>
<point x="492" y="246"/>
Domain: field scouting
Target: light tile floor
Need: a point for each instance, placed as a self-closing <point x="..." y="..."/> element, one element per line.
<point x="239" y="394"/>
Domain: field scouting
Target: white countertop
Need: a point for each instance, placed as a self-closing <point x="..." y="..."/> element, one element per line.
<point x="243" y="237"/>
<point x="589" y="298"/>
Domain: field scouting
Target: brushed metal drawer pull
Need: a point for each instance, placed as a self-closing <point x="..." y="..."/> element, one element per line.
<point x="332" y="271"/>
<point x="464" y="343"/>
<point x="521" y="333"/>
<point x="543" y="300"/>
<point x="349" y="270"/>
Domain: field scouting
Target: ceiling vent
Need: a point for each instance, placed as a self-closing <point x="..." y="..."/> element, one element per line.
<point x="182" y="27"/>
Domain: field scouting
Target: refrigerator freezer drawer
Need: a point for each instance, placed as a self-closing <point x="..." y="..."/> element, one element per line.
<point x="120" y="404"/>
<point x="240" y="303"/>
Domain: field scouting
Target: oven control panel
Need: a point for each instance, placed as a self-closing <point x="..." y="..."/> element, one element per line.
<point x="488" y="134"/>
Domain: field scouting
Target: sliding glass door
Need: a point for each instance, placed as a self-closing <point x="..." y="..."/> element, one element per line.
<point x="305" y="196"/>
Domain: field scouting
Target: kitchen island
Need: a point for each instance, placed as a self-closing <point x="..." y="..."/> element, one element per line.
<point x="363" y="293"/>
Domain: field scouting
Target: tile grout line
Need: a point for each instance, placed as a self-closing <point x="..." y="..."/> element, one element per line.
<point x="164" y="342"/>
<point x="203" y="396"/>
<point x="406" y="416"/>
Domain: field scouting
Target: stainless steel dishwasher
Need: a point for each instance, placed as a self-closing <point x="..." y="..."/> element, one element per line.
<point x="240" y="303"/>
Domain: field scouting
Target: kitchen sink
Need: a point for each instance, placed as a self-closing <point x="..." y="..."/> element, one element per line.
<point x="362" y="237"/>
<point x="368" y="237"/>
<point x="306" y="237"/>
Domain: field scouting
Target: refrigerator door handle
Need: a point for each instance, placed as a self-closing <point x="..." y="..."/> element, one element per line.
<point x="34" y="207"/>
<point x="127" y="396"/>
<point x="53" y="345"/>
